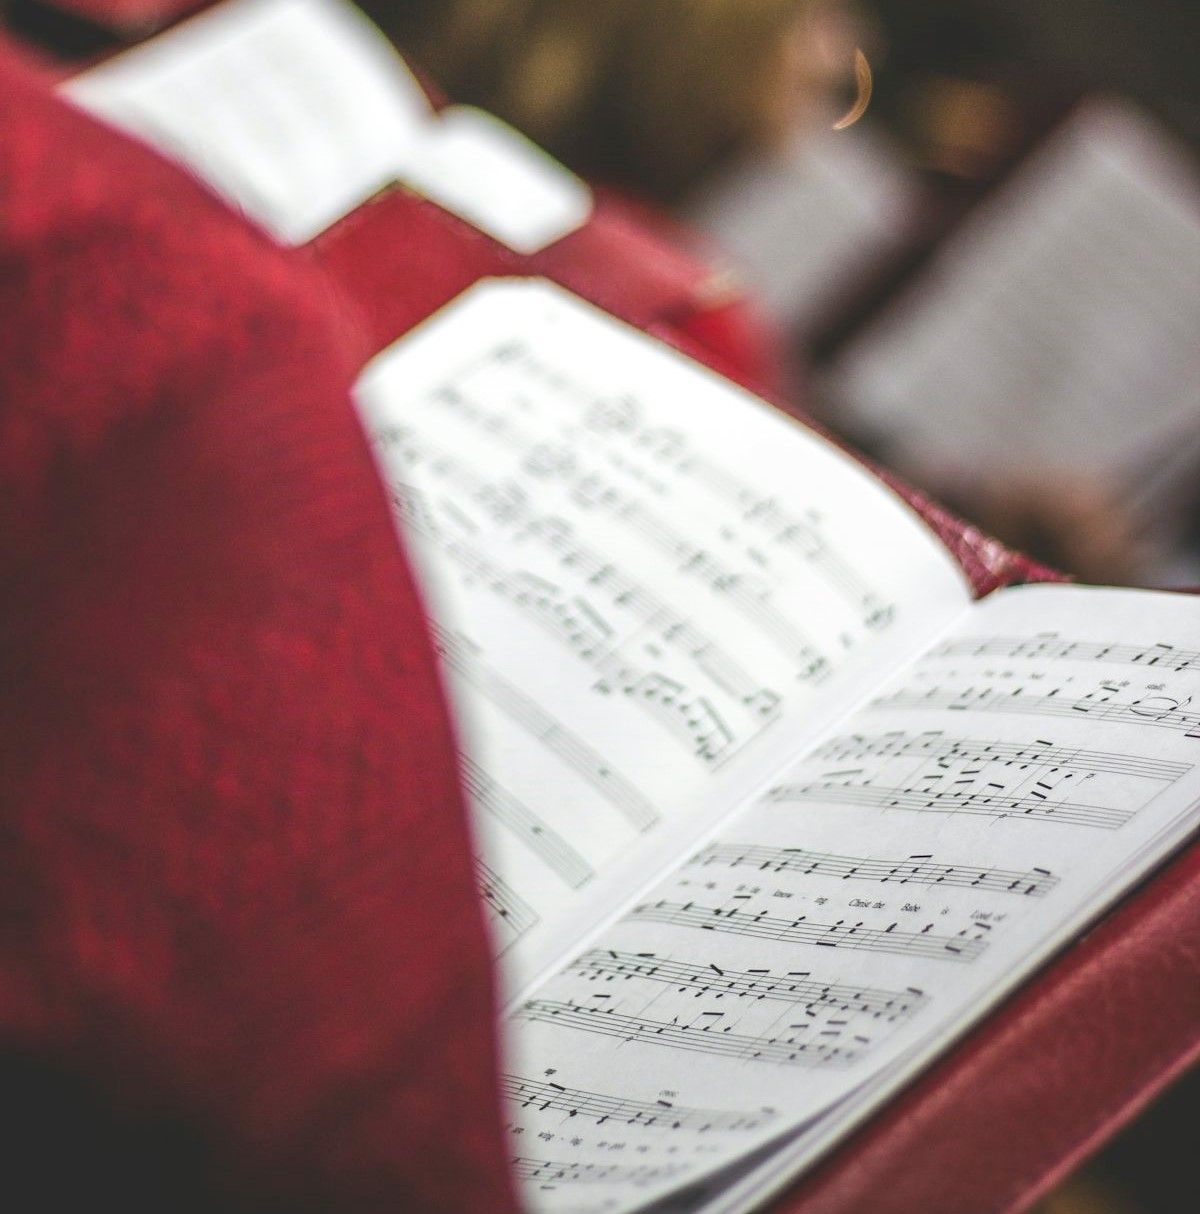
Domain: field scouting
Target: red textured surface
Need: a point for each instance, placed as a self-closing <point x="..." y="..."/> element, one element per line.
<point x="237" y="877"/>
<point x="611" y="261"/>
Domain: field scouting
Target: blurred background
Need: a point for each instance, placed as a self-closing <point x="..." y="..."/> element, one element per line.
<point x="1006" y="301"/>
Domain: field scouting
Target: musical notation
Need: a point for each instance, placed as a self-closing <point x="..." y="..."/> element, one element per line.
<point x="796" y="987"/>
<point x="605" y="618"/>
<point x="791" y="531"/>
<point x="705" y="1034"/>
<point x="508" y="504"/>
<point x="585" y="630"/>
<point x="1022" y="755"/>
<point x="1153" y="711"/>
<point x="548" y="1172"/>
<point x="593" y="486"/>
<point x="524" y="711"/>
<point x="539" y="837"/>
<point x="915" y="870"/>
<point x="622" y="416"/>
<point x="511" y="914"/>
<point x="992" y="803"/>
<point x="1050" y="645"/>
<point x="661" y="1114"/>
<point x="802" y="930"/>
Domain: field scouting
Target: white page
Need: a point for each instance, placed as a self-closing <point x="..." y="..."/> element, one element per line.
<point x="869" y="904"/>
<point x="485" y="172"/>
<point x="649" y="587"/>
<point x="296" y="111"/>
<point x="1069" y="305"/>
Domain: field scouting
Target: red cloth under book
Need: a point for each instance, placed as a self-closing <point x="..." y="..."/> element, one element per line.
<point x="237" y="873"/>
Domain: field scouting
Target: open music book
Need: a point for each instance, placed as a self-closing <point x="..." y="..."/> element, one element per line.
<point x="769" y="812"/>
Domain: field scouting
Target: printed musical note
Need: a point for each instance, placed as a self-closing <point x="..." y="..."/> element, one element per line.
<point x="1050" y="645"/>
<point x="796" y="988"/>
<point x="1023" y="755"/>
<point x="788" y="530"/>
<point x="692" y="717"/>
<point x="706" y="1034"/>
<point x="548" y="1172"/>
<point x="510" y="506"/>
<point x="591" y="488"/>
<point x="610" y="622"/>
<point x="1153" y="711"/>
<point x="661" y="1114"/>
<point x="791" y="531"/>
<point x="988" y="802"/>
<point x="563" y="742"/>
<point x="558" y="854"/>
<point x="917" y="870"/>
<point x="511" y="915"/>
<point x="802" y="930"/>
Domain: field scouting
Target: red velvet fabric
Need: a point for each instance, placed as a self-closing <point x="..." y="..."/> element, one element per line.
<point x="236" y="867"/>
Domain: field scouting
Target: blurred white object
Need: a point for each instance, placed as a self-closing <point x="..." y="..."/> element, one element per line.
<point x="489" y="174"/>
<point x="1059" y="328"/>
<point x="807" y="225"/>
<point x="297" y="111"/>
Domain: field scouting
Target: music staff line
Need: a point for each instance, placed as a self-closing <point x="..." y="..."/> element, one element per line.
<point x="543" y="1096"/>
<point x="596" y="570"/>
<point x="548" y="1172"/>
<point x="801" y="930"/>
<point x="796" y="988"/>
<point x="790" y="531"/>
<point x="536" y="834"/>
<point x="525" y="712"/>
<point x="1051" y="645"/>
<point x="1038" y="753"/>
<point x="916" y="870"/>
<point x="509" y="909"/>
<point x="593" y="489"/>
<point x="1136" y="712"/>
<point x="692" y="717"/>
<point x="992" y="804"/>
<point x="704" y="1036"/>
<point x="668" y="445"/>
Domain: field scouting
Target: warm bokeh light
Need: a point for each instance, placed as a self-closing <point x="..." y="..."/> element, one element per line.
<point x="864" y="84"/>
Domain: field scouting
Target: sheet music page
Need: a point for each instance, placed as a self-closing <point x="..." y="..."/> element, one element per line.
<point x="867" y="904"/>
<point x="296" y="111"/>
<point x="649" y="588"/>
<point x="1066" y="305"/>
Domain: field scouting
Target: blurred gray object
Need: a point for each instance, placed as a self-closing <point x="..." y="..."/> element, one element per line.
<point x="806" y="226"/>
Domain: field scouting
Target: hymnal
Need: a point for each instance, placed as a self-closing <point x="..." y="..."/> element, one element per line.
<point x="769" y="811"/>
